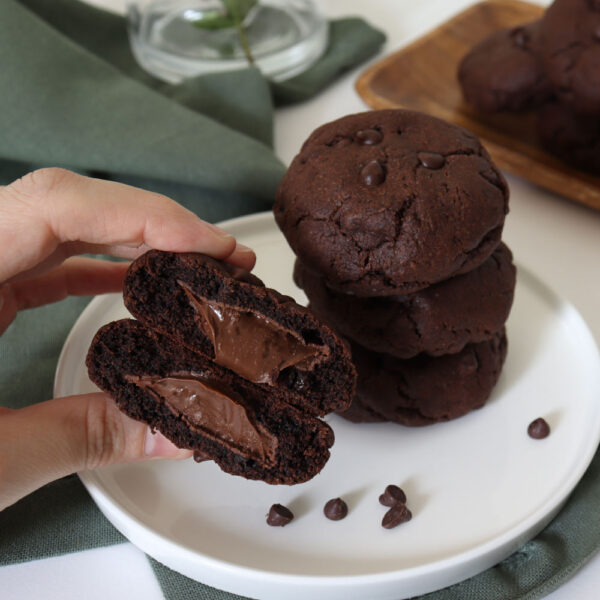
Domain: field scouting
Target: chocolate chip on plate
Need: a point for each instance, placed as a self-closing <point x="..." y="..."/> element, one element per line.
<point x="279" y="515"/>
<point x="396" y="515"/>
<point x="392" y="496"/>
<point x="335" y="509"/>
<point x="538" y="429"/>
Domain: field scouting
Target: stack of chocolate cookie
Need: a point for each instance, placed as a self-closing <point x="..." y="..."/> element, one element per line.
<point x="396" y="220"/>
<point x="552" y="66"/>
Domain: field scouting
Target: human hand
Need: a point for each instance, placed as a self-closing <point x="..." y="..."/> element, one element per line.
<point x="46" y="218"/>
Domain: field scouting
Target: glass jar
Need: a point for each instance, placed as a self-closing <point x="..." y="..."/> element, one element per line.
<point x="177" y="39"/>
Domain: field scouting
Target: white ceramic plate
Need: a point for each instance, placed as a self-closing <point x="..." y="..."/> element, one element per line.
<point x="478" y="487"/>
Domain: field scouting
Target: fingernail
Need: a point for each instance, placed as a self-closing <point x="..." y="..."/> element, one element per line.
<point x="241" y="248"/>
<point x="220" y="232"/>
<point x="150" y="443"/>
<point x="158" y="446"/>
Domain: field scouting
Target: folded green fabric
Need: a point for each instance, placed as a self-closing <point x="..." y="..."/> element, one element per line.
<point x="72" y="95"/>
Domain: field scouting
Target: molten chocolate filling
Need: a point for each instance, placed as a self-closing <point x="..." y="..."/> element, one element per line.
<point x="254" y="346"/>
<point x="206" y="406"/>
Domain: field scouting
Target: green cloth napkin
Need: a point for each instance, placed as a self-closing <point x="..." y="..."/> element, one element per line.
<point x="72" y="95"/>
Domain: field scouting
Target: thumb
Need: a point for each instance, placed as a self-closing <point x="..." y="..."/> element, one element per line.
<point x="52" y="439"/>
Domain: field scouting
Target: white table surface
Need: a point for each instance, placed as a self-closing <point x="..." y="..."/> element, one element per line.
<point x="557" y="239"/>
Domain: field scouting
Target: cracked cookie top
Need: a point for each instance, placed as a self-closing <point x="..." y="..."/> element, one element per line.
<point x="389" y="202"/>
<point x="571" y="52"/>
<point x="505" y="71"/>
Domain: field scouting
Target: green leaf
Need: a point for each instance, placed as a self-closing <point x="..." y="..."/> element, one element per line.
<point x="214" y="21"/>
<point x="239" y="8"/>
<point x="235" y="12"/>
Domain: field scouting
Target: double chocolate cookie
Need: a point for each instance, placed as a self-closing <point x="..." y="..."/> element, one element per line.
<point x="389" y="202"/>
<point x="225" y="366"/>
<point x="571" y="53"/>
<point x="505" y="71"/>
<point x="574" y="138"/>
<point x="440" y="319"/>
<point x="425" y="389"/>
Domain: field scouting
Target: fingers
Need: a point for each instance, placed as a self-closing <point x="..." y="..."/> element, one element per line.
<point x="46" y="441"/>
<point x="75" y="277"/>
<point x="52" y="213"/>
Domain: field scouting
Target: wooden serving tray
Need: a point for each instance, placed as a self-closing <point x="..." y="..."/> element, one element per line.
<point x="422" y="76"/>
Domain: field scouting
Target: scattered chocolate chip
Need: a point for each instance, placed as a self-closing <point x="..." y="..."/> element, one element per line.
<point x="396" y="515"/>
<point x="279" y="515"/>
<point x="538" y="429"/>
<point x="369" y="137"/>
<point x="335" y="509"/>
<point x="520" y="36"/>
<point x="431" y="160"/>
<point x="200" y="456"/>
<point x="372" y="173"/>
<point x="392" y="496"/>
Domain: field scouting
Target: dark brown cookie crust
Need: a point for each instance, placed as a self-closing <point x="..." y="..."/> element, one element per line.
<point x="391" y="212"/>
<point x="505" y="72"/>
<point x="571" y="52"/>
<point x="425" y="389"/>
<point x="126" y="347"/>
<point x="153" y="294"/>
<point x="440" y="319"/>
<point x="573" y="138"/>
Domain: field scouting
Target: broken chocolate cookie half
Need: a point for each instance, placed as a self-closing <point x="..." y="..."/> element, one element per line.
<point x="224" y="366"/>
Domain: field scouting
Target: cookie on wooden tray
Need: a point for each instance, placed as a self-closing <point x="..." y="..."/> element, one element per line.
<point x="440" y="319"/>
<point x="425" y="389"/>
<point x="571" y="52"/>
<point x="505" y="72"/>
<point x="389" y="202"/>
<point x="573" y="138"/>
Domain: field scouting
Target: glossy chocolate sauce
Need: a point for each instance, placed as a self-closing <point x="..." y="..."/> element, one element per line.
<point x="255" y="347"/>
<point x="205" y="406"/>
